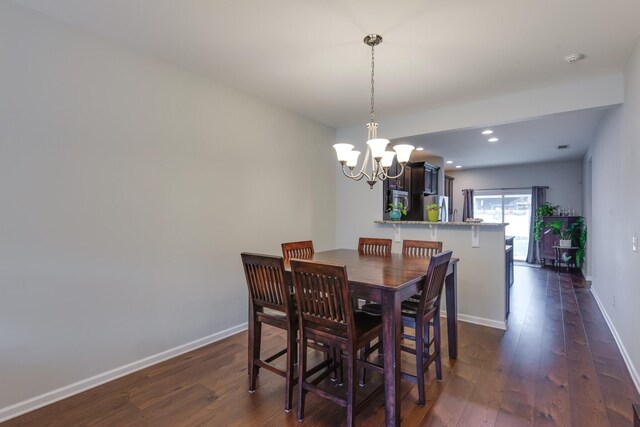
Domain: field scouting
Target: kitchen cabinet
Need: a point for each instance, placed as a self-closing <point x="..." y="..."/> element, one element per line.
<point x="418" y="179"/>
<point x="508" y="280"/>
<point x="431" y="179"/>
<point x="403" y="182"/>
<point x="549" y="240"/>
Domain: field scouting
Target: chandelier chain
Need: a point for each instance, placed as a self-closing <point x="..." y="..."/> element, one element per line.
<point x="372" y="111"/>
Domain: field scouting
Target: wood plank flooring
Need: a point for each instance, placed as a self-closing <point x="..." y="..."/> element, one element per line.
<point x="557" y="365"/>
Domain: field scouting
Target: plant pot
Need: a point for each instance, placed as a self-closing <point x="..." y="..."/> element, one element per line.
<point x="565" y="243"/>
<point x="395" y="215"/>
<point x="433" y="215"/>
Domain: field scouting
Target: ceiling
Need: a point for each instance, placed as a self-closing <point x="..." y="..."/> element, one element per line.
<point x="531" y="141"/>
<point x="308" y="56"/>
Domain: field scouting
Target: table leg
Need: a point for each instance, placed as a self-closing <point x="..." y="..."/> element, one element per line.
<point x="452" y="311"/>
<point x="391" y="330"/>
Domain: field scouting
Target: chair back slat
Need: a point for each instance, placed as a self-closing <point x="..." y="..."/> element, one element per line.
<point x="266" y="281"/>
<point x="372" y="246"/>
<point x="421" y="248"/>
<point x="322" y="294"/>
<point x="434" y="281"/>
<point x="299" y="250"/>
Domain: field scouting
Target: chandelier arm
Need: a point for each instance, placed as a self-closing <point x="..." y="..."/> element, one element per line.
<point x="365" y="160"/>
<point x="394" y="177"/>
<point x="357" y="177"/>
<point x="382" y="175"/>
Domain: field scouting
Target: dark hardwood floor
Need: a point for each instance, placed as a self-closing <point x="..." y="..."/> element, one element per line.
<point x="556" y="365"/>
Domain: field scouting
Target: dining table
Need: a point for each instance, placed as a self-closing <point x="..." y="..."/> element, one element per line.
<point x="389" y="280"/>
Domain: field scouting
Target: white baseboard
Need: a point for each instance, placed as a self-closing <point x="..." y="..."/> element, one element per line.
<point x="86" y="384"/>
<point x="479" y="321"/>
<point x="625" y="355"/>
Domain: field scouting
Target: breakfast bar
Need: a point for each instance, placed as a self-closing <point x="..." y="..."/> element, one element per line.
<point x="482" y="270"/>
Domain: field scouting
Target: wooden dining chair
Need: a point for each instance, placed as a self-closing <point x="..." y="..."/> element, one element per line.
<point x="271" y="303"/>
<point x="411" y="248"/>
<point x="421" y="248"/>
<point x="299" y="250"/>
<point x="372" y="246"/>
<point x="326" y="315"/>
<point x="424" y="315"/>
<point x="419" y="314"/>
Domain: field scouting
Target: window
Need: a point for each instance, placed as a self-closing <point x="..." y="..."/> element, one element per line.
<point x="511" y="206"/>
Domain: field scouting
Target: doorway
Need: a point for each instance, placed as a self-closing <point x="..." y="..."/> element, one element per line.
<point x="511" y="206"/>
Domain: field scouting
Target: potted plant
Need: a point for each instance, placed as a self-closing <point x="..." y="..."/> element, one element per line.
<point x="546" y="209"/>
<point x="565" y="233"/>
<point x="396" y="210"/>
<point x="576" y="232"/>
<point x="582" y="240"/>
<point x="433" y="212"/>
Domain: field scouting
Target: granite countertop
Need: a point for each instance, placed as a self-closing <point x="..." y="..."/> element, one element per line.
<point x="465" y="224"/>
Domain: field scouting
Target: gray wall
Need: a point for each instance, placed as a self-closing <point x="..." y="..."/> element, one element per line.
<point x="615" y="269"/>
<point x="129" y="187"/>
<point x="564" y="180"/>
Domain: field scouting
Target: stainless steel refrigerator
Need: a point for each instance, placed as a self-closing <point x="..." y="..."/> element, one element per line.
<point x="442" y="201"/>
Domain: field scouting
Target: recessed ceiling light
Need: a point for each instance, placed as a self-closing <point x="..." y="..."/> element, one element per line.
<point x="487" y="132"/>
<point x="458" y="166"/>
<point x="493" y="140"/>
<point x="449" y="162"/>
<point x="419" y="149"/>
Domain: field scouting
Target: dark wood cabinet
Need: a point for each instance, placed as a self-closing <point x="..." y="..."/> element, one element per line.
<point x="431" y="179"/>
<point x="418" y="179"/>
<point x="448" y="191"/>
<point x="403" y="182"/>
<point x="549" y="240"/>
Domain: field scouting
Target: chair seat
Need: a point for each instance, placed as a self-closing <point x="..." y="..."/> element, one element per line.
<point x="365" y="324"/>
<point x="408" y="308"/>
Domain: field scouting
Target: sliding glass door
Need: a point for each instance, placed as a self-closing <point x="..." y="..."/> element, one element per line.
<point x="512" y="206"/>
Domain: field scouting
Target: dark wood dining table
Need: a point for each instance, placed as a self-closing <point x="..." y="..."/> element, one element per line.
<point x="389" y="280"/>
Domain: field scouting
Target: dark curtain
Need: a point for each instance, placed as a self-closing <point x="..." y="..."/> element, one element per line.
<point x="467" y="205"/>
<point x="538" y="197"/>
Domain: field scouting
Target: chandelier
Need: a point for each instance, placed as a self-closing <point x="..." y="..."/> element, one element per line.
<point x="381" y="159"/>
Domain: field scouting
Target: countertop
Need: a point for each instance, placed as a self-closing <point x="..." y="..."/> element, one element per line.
<point x="458" y="224"/>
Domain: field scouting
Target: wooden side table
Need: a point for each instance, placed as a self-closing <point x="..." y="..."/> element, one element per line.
<point x="570" y="252"/>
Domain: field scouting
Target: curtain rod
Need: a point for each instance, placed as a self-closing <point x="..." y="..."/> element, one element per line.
<point x="509" y="188"/>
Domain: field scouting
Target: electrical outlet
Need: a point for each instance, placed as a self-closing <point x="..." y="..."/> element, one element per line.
<point x="634" y="243"/>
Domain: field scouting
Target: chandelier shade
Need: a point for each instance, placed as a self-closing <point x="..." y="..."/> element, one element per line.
<point x="378" y="147"/>
<point x="342" y="151"/>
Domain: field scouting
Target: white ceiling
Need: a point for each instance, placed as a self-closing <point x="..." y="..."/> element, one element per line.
<point x="530" y="141"/>
<point x="308" y="56"/>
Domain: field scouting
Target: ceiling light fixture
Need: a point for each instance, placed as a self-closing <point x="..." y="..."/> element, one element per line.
<point x="487" y="132"/>
<point x="419" y="149"/>
<point x="381" y="160"/>
<point x="458" y="166"/>
<point x="449" y="162"/>
<point x="574" y="57"/>
<point x="493" y="140"/>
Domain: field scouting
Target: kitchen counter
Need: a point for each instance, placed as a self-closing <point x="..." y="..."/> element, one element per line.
<point x="464" y="224"/>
